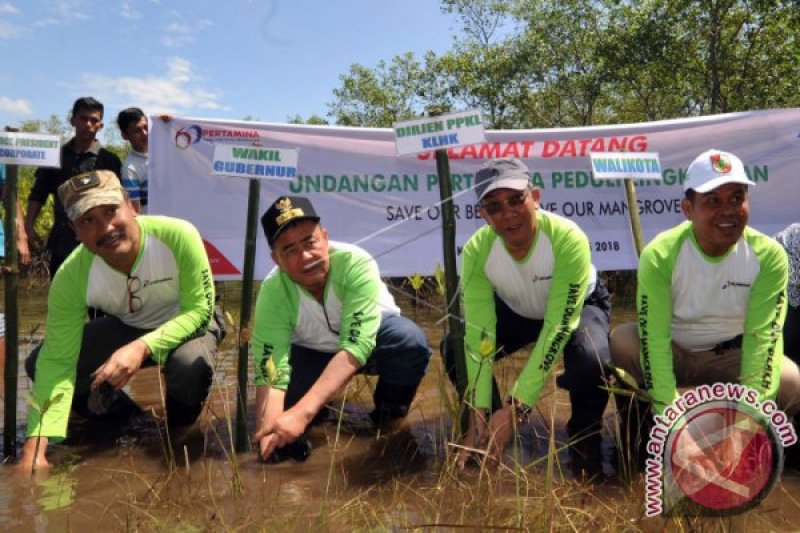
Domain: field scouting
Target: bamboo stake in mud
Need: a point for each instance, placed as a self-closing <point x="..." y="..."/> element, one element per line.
<point x="633" y="213"/>
<point x="454" y="319"/>
<point x="244" y="316"/>
<point x="10" y="279"/>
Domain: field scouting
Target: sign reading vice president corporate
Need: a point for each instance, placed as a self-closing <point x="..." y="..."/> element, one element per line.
<point x="31" y="149"/>
<point x="389" y="204"/>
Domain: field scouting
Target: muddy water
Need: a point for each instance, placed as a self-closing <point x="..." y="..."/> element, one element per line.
<point x="135" y="478"/>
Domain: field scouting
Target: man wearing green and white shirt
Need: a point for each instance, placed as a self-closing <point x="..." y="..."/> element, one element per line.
<point x="323" y="315"/>
<point x="151" y="278"/>
<point x="527" y="277"/>
<point x="711" y="299"/>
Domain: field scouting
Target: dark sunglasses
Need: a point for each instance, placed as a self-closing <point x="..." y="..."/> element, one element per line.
<point x="495" y="206"/>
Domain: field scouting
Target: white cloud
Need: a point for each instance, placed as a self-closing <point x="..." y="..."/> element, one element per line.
<point x="129" y="12"/>
<point x="15" y="107"/>
<point x="178" y="90"/>
<point x="177" y="35"/>
<point x="9" y="30"/>
<point x="9" y="9"/>
<point x="62" y="12"/>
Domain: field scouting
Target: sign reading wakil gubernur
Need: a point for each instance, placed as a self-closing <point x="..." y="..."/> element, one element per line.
<point x="443" y="131"/>
<point x="31" y="149"/>
<point x="254" y="162"/>
<point x="620" y="165"/>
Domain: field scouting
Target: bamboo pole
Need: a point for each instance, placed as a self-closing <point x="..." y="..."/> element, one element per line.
<point x="244" y="316"/>
<point x="454" y="319"/>
<point x="10" y="280"/>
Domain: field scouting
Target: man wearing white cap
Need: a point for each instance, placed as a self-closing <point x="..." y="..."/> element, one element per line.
<point x="151" y="278"/>
<point x="527" y="277"/>
<point x="711" y="298"/>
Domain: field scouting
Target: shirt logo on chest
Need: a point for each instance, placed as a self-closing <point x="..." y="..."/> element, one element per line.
<point x="730" y="283"/>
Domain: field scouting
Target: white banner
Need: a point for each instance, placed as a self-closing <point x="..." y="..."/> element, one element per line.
<point x="389" y="204"/>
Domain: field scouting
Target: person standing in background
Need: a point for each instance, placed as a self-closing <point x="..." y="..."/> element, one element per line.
<point x="82" y="153"/>
<point x="790" y="240"/>
<point x="133" y="126"/>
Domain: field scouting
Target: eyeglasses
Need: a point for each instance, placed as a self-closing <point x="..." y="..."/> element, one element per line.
<point x="495" y="206"/>
<point x="134" y="286"/>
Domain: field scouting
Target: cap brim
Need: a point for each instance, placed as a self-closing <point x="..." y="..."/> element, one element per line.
<point x="79" y="208"/>
<point x="517" y="183"/>
<point x="710" y="185"/>
<point x="277" y="232"/>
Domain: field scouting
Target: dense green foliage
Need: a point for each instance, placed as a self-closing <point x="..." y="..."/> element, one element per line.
<point x="562" y="63"/>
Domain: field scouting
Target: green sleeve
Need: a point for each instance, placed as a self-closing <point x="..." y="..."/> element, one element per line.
<point x="56" y="365"/>
<point x="571" y="273"/>
<point x="762" y="340"/>
<point x="480" y="318"/>
<point x="275" y="320"/>
<point x="357" y="282"/>
<point x="196" y="287"/>
<point x="654" y="305"/>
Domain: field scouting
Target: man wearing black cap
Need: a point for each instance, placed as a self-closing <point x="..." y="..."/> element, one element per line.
<point x="527" y="277"/>
<point x="151" y="278"/>
<point x="322" y="315"/>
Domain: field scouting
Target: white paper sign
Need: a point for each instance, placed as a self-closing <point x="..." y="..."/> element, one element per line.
<point x="248" y="161"/>
<point x="620" y="165"/>
<point x="443" y="131"/>
<point x="31" y="149"/>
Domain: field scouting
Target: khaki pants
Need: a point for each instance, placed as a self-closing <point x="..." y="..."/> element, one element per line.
<point x="699" y="368"/>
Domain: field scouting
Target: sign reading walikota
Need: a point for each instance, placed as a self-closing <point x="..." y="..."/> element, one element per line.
<point x="442" y="131"/>
<point x="254" y="162"/>
<point x="619" y="165"/>
<point x="30" y="149"/>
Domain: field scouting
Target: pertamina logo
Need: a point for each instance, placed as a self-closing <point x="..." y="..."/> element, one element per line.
<point x="185" y="137"/>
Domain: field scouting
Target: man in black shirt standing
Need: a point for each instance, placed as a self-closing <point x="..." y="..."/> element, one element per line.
<point x="82" y="153"/>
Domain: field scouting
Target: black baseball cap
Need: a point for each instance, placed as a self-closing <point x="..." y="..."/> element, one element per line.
<point x="284" y="210"/>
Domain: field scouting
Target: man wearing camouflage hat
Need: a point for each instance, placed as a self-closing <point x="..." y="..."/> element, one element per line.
<point x="150" y="276"/>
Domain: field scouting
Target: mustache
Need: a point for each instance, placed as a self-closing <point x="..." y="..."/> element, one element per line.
<point x="109" y="237"/>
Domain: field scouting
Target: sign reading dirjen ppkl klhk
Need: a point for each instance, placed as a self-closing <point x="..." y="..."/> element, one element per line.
<point x="443" y="131"/>
<point x="31" y="149"/>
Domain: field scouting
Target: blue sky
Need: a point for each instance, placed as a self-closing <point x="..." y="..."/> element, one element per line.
<point x="267" y="59"/>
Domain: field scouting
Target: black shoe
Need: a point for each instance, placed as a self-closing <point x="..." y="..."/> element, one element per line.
<point x="586" y="459"/>
<point x="298" y="450"/>
<point x="180" y="415"/>
<point x="385" y="416"/>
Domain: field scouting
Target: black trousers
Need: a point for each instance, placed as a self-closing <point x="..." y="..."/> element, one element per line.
<point x="586" y="358"/>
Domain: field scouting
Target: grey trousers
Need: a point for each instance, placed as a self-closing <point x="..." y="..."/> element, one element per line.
<point x="698" y="368"/>
<point x="188" y="370"/>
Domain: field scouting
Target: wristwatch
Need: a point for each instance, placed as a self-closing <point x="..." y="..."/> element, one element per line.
<point x="522" y="412"/>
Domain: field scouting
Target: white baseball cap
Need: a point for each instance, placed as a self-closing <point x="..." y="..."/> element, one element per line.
<point x="714" y="168"/>
<point x="506" y="173"/>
